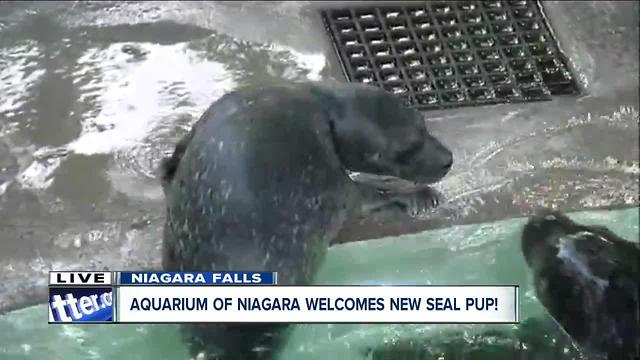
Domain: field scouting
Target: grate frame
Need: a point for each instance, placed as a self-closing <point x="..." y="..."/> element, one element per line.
<point x="445" y="54"/>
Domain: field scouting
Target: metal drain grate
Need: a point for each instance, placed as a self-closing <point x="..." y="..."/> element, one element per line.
<point x="449" y="54"/>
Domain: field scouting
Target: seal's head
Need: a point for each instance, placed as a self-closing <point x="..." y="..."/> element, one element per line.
<point x="376" y="132"/>
<point x="587" y="278"/>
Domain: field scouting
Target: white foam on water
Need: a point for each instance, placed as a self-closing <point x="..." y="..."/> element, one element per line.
<point x="17" y="74"/>
<point x="134" y="97"/>
<point x="314" y="63"/>
<point x="38" y="175"/>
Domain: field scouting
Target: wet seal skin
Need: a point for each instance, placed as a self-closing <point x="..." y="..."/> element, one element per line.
<point x="261" y="183"/>
<point x="588" y="279"/>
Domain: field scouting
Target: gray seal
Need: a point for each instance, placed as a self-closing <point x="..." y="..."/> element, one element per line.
<point x="588" y="279"/>
<point x="261" y="183"/>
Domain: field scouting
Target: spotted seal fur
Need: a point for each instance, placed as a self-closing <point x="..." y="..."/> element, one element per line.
<point x="588" y="279"/>
<point x="261" y="183"/>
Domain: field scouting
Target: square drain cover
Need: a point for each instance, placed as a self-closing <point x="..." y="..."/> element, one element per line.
<point x="447" y="54"/>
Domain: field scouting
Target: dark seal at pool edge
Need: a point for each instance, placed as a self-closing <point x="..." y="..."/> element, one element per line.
<point x="588" y="278"/>
<point x="261" y="183"/>
<point x="438" y="54"/>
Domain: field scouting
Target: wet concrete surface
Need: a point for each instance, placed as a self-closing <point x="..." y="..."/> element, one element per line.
<point x="93" y="94"/>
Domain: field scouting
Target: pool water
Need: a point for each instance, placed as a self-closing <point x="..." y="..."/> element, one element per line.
<point x="478" y="254"/>
<point x="94" y="94"/>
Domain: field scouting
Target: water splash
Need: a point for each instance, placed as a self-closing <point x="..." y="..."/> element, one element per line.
<point x="133" y="98"/>
<point x="498" y="165"/>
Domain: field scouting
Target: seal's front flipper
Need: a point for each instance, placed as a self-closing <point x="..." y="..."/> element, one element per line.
<point x="413" y="203"/>
<point x="416" y="204"/>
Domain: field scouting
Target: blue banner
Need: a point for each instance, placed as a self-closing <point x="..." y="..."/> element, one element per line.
<point x="197" y="278"/>
<point x="85" y="304"/>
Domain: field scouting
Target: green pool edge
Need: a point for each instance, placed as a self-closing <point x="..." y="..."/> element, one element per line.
<point x="389" y="260"/>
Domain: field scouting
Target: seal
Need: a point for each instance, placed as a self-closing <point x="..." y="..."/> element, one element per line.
<point x="587" y="278"/>
<point x="261" y="182"/>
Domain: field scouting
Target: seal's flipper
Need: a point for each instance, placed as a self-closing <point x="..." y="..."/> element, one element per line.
<point x="169" y="165"/>
<point x="418" y="203"/>
<point x="414" y="203"/>
<point x="224" y="107"/>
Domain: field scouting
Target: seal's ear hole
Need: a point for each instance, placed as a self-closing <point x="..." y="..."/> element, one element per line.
<point x="335" y="140"/>
<point x="376" y="156"/>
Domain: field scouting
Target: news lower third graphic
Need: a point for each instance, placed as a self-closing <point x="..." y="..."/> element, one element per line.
<point x="197" y="278"/>
<point x="80" y="304"/>
<point x="81" y="297"/>
<point x="145" y="304"/>
<point x="147" y="297"/>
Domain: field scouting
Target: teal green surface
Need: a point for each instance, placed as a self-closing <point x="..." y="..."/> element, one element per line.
<point x="471" y="254"/>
